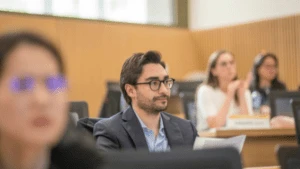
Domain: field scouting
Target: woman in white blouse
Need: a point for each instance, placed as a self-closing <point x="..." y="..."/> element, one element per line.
<point x="222" y="94"/>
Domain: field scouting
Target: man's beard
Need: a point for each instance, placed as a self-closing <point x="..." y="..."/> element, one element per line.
<point x="149" y="105"/>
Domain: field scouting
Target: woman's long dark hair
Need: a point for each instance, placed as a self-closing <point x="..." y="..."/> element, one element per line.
<point x="212" y="80"/>
<point x="258" y="61"/>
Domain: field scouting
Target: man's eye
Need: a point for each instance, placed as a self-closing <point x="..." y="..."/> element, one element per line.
<point x="155" y="83"/>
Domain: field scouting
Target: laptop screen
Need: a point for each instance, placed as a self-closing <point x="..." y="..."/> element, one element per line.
<point x="281" y="102"/>
<point x="284" y="107"/>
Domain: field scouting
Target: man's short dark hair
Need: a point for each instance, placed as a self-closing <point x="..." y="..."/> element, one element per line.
<point x="133" y="67"/>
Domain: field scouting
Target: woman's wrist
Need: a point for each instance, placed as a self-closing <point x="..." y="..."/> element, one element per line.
<point x="230" y="94"/>
<point x="241" y="92"/>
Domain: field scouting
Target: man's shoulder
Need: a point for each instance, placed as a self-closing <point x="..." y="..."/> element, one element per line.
<point x="113" y="120"/>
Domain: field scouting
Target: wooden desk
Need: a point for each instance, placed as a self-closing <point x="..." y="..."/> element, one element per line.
<point x="259" y="147"/>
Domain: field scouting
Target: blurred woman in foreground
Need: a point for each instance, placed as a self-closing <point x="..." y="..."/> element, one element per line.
<point x="33" y="104"/>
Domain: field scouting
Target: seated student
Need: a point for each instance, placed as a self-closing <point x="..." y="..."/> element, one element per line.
<point x="34" y="106"/>
<point x="265" y="79"/>
<point x="146" y="86"/>
<point x="222" y="94"/>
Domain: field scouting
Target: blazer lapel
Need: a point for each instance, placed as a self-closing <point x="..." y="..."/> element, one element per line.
<point x="173" y="131"/>
<point x="134" y="129"/>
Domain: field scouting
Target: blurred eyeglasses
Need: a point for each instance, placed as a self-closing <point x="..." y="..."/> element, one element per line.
<point x="52" y="83"/>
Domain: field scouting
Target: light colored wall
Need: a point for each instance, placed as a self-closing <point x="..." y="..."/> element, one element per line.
<point x="207" y="14"/>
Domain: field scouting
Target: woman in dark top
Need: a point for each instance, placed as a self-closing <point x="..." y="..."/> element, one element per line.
<point x="34" y="108"/>
<point x="265" y="79"/>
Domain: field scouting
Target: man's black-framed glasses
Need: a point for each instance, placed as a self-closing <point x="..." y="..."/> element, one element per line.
<point x="155" y="84"/>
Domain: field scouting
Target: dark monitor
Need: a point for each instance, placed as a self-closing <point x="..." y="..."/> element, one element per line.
<point x="222" y="158"/>
<point x="189" y="106"/>
<point x="112" y="101"/>
<point x="280" y="102"/>
<point x="78" y="110"/>
<point x="288" y="157"/>
<point x="186" y="90"/>
<point x="185" y="86"/>
<point x="296" y="111"/>
<point x="114" y="86"/>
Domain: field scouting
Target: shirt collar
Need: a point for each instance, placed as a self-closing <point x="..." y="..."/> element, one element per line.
<point x="161" y="124"/>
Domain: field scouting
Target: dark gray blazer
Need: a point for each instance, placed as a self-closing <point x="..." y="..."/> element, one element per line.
<point x="123" y="131"/>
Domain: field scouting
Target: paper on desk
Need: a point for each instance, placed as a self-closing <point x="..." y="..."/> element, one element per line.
<point x="205" y="142"/>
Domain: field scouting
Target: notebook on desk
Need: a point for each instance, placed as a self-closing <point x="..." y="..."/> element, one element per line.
<point x="235" y="142"/>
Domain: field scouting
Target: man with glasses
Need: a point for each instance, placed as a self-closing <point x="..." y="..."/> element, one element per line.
<point x="146" y="86"/>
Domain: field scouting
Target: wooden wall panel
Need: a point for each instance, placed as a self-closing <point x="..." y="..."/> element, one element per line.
<point x="297" y="46"/>
<point x="286" y="51"/>
<point x="95" y="53"/>
<point x="280" y="36"/>
<point x="43" y="25"/>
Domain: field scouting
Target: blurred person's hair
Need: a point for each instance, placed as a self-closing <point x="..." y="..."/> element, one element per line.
<point x="11" y="40"/>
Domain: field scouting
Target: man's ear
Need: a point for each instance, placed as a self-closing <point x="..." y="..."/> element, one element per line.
<point x="130" y="90"/>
